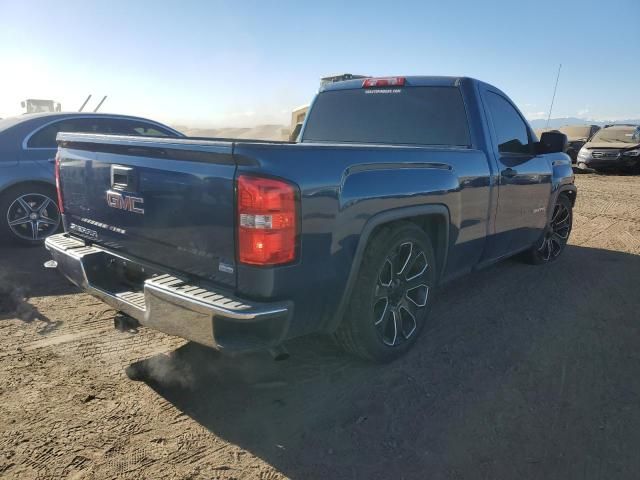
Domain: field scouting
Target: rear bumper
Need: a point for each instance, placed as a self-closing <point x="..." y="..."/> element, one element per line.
<point x="170" y="304"/>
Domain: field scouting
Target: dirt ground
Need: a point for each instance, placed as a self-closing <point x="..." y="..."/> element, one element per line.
<point x="524" y="372"/>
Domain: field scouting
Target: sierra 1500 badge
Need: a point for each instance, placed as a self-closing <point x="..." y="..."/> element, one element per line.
<point x="125" y="202"/>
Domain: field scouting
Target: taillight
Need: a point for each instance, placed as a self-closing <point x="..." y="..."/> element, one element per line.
<point x="383" y="82"/>
<point x="267" y="221"/>
<point x="58" y="185"/>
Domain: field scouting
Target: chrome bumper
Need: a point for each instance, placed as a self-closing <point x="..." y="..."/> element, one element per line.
<point x="170" y="304"/>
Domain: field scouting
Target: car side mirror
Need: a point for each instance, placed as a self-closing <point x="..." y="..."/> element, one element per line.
<point x="553" y="142"/>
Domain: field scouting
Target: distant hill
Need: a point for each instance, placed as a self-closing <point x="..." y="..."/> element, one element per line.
<point x="559" y="122"/>
<point x="260" y="132"/>
<point x="281" y="132"/>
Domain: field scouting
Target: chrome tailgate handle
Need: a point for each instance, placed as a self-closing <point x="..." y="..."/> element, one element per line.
<point x="123" y="178"/>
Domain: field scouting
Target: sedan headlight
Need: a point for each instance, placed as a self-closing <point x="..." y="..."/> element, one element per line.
<point x="583" y="153"/>
<point x="631" y="153"/>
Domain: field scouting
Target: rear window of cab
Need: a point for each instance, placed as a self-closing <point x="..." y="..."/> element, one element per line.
<point x="433" y="116"/>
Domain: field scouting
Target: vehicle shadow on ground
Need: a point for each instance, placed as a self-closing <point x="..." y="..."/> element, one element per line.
<point x="22" y="276"/>
<point x="14" y="304"/>
<point x="523" y="372"/>
<point x="22" y="270"/>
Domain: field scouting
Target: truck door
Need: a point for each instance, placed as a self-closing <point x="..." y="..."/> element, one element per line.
<point x="524" y="178"/>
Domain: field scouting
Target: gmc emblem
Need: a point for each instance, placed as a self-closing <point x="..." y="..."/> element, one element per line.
<point x="125" y="202"/>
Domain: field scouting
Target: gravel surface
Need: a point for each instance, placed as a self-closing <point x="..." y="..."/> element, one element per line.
<point x="524" y="372"/>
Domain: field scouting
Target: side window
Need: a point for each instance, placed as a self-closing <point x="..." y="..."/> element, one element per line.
<point x="133" y="127"/>
<point x="46" y="137"/>
<point x="151" y="131"/>
<point x="102" y="125"/>
<point x="509" y="126"/>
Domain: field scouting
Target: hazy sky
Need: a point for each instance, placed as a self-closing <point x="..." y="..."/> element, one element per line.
<point x="242" y="63"/>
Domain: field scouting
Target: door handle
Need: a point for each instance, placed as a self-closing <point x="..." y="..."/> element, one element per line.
<point x="508" y="173"/>
<point x="51" y="160"/>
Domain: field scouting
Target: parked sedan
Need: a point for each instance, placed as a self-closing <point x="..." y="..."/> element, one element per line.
<point x="28" y="207"/>
<point x="613" y="147"/>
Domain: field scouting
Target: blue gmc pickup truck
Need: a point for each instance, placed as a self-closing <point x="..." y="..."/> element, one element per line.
<point x="395" y="185"/>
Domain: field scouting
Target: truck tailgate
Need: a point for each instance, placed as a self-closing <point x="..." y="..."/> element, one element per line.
<point x="165" y="201"/>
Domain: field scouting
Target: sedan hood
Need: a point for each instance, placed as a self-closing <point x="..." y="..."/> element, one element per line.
<point x="616" y="145"/>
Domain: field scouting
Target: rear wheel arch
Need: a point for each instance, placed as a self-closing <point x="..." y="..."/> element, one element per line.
<point x="436" y="226"/>
<point x="434" y="220"/>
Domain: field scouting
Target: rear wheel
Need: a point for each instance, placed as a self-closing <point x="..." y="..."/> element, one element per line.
<point x="29" y="214"/>
<point x="390" y="302"/>
<point x="556" y="234"/>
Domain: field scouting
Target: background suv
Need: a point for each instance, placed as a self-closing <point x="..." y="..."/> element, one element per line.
<point x="28" y="209"/>
<point x="613" y="147"/>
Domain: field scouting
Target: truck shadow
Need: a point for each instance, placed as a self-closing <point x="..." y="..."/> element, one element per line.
<point x="518" y="375"/>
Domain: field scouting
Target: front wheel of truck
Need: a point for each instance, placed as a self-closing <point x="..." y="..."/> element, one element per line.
<point x="554" y="239"/>
<point x="390" y="302"/>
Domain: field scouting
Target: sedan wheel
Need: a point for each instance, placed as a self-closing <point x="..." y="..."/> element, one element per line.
<point x="32" y="216"/>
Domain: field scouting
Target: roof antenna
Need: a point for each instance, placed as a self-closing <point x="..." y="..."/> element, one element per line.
<point x="100" y="104"/>
<point x="554" y="96"/>
<point x="85" y="103"/>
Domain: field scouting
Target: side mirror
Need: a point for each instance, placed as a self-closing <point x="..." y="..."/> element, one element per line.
<point x="553" y="142"/>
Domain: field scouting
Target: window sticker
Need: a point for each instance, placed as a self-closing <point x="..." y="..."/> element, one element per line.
<point x="383" y="90"/>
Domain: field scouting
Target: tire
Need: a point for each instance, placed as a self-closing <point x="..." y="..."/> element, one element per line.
<point x="554" y="239"/>
<point x="392" y="296"/>
<point x="29" y="214"/>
